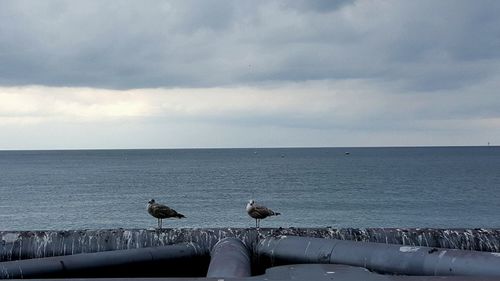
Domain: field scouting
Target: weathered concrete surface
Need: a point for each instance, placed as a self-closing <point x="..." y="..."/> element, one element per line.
<point x="37" y="244"/>
<point x="15" y="245"/>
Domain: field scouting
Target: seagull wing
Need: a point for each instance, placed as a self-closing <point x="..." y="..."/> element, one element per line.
<point x="162" y="212"/>
<point x="260" y="212"/>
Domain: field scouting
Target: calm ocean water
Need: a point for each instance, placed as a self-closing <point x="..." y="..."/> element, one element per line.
<point x="311" y="187"/>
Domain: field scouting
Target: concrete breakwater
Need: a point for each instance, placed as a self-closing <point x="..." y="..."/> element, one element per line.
<point x="16" y="245"/>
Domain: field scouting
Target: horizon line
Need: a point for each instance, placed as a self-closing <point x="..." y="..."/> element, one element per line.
<point x="265" y="147"/>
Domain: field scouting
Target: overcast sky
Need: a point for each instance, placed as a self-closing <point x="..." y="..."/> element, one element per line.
<point x="182" y="74"/>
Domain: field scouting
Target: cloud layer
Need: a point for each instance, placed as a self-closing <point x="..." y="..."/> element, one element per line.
<point x="319" y="113"/>
<point x="99" y="74"/>
<point x="126" y="44"/>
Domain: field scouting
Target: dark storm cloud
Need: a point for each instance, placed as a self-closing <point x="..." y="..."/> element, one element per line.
<point x="424" y="45"/>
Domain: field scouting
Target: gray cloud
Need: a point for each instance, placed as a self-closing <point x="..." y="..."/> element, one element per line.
<point x="427" y="45"/>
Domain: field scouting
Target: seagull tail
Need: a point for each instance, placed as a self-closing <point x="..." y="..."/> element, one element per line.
<point x="180" y="216"/>
<point x="277" y="214"/>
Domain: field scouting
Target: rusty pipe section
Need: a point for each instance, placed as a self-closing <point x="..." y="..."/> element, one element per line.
<point x="384" y="258"/>
<point x="112" y="263"/>
<point x="230" y="258"/>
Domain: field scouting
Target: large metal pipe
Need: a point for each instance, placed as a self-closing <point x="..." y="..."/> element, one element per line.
<point x="230" y="258"/>
<point x="111" y="263"/>
<point x="385" y="258"/>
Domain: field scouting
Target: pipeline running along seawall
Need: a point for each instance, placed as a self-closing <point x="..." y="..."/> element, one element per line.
<point x="253" y="254"/>
<point x="17" y="245"/>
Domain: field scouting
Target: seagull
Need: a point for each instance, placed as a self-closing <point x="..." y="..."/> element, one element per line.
<point x="259" y="212"/>
<point x="161" y="212"/>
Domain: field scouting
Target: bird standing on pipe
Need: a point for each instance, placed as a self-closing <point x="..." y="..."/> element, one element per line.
<point x="259" y="212"/>
<point x="161" y="212"/>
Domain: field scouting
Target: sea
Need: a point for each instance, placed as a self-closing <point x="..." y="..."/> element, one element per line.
<point x="436" y="187"/>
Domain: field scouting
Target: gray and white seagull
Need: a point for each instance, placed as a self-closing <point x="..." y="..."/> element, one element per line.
<point x="161" y="212"/>
<point x="259" y="212"/>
